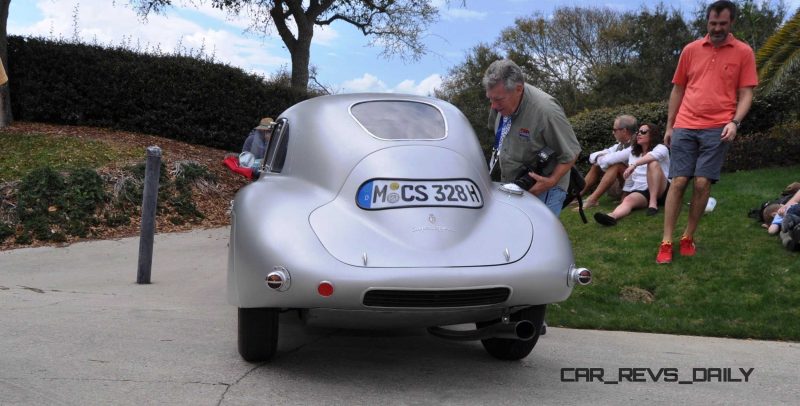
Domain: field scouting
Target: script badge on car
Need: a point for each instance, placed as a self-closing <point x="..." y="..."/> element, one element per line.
<point x="380" y="194"/>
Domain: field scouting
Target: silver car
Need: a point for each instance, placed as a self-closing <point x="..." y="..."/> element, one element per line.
<point x="377" y="211"/>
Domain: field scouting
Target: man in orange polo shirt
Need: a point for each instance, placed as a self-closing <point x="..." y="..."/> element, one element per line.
<point x="711" y="94"/>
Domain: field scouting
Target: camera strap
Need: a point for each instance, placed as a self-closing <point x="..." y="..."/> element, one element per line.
<point x="492" y="161"/>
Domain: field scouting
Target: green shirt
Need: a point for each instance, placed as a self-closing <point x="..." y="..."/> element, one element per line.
<point x="538" y="122"/>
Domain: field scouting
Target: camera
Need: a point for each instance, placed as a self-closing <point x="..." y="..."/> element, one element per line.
<point x="543" y="164"/>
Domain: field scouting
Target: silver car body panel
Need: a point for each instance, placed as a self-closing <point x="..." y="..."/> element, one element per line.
<point x="306" y="220"/>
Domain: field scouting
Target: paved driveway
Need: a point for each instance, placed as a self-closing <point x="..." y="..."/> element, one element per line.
<point x="75" y="329"/>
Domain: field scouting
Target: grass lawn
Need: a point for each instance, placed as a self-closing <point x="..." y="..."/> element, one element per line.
<point x="742" y="282"/>
<point x="24" y="151"/>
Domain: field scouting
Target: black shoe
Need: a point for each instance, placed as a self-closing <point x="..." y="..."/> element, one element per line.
<point x="605" y="219"/>
<point x="652" y="211"/>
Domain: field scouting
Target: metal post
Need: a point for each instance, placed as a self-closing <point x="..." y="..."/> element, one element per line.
<point x="149" y="202"/>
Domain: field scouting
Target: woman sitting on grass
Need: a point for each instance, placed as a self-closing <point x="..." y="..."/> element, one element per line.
<point x="646" y="176"/>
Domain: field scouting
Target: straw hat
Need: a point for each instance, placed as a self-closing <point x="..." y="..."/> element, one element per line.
<point x="265" y="123"/>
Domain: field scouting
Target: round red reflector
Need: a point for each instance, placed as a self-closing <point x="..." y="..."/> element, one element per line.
<point x="274" y="281"/>
<point x="325" y="288"/>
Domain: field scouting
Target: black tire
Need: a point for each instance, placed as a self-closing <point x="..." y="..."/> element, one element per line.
<point x="258" y="333"/>
<point x="510" y="349"/>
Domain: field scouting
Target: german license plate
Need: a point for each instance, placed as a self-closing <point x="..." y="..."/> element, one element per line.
<point x="379" y="194"/>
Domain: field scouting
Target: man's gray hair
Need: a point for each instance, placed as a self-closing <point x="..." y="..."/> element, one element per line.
<point x="628" y="122"/>
<point x="503" y="71"/>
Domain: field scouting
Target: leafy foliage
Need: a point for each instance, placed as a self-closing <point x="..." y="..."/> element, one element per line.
<point x="41" y="203"/>
<point x="50" y="206"/>
<point x="776" y="147"/>
<point x="654" y="40"/>
<point x="84" y="194"/>
<point x="182" y="202"/>
<point x="175" y="192"/>
<point x="779" y="62"/>
<point x="5" y="231"/>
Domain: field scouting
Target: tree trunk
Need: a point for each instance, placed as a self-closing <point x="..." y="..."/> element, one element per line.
<point x="301" y="57"/>
<point x="5" y="92"/>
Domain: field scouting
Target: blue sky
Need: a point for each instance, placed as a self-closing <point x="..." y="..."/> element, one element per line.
<point x="343" y="59"/>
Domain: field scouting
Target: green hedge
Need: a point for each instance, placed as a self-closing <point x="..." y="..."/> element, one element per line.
<point x="762" y="141"/>
<point x="175" y="96"/>
<point x="779" y="146"/>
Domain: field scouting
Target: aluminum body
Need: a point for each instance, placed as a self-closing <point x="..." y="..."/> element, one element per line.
<point x="307" y="219"/>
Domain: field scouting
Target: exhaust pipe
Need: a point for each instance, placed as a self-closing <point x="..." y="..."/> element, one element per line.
<point x="520" y="330"/>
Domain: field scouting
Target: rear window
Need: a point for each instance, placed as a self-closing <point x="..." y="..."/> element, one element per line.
<point x="400" y="120"/>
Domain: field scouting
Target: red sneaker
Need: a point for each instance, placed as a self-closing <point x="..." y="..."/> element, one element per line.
<point x="687" y="247"/>
<point x="664" y="253"/>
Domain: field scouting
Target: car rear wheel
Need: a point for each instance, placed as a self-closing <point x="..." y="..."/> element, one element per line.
<point x="513" y="349"/>
<point x="258" y="333"/>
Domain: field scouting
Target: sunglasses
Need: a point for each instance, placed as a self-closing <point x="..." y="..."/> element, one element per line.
<point x="644" y="132"/>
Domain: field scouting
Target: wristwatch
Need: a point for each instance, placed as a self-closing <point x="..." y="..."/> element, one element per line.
<point x="737" y="122"/>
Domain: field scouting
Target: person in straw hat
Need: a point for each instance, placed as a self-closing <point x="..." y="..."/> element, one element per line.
<point x="258" y="138"/>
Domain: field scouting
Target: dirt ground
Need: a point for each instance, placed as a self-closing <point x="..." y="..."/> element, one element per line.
<point x="213" y="201"/>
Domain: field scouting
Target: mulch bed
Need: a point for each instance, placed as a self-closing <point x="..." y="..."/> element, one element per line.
<point x="213" y="201"/>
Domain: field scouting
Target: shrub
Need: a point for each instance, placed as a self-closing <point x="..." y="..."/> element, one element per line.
<point x="5" y="231"/>
<point x="179" y="97"/>
<point x="51" y="207"/>
<point x="85" y="193"/>
<point x="40" y="204"/>
<point x="175" y="195"/>
<point x="187" y="174"/>
<point x="773" y="148"/>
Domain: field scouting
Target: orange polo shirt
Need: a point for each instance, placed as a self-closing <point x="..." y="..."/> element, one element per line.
<point x="711" y="77"/>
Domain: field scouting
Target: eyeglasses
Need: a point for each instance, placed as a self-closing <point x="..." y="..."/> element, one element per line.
<point x="644" y="132"/>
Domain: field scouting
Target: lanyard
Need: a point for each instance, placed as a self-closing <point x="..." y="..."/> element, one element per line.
<point x="499" y="136"/>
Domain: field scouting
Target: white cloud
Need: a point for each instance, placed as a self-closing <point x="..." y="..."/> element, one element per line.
<point x="325" y="35"/>
<point x="371" y="83"/>
<point x="424" y="88"/>
<point x="463" y="14"/>
<point x="453" y="11"/>
<point x="366" y="83"/>
<point x="102" y="21"/>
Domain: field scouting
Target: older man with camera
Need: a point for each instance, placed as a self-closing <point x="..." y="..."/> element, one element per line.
<point x="526" y="121"/>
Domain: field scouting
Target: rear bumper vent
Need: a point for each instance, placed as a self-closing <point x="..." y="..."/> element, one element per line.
<point x="435" y="298"/>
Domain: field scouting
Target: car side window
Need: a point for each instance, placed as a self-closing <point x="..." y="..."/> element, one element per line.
<point x="277" y="147"/>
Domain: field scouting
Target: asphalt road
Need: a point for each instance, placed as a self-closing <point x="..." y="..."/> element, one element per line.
<point x="75" y="329"/>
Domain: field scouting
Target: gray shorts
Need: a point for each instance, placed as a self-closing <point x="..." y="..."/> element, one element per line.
<point x="697" y="153"/>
